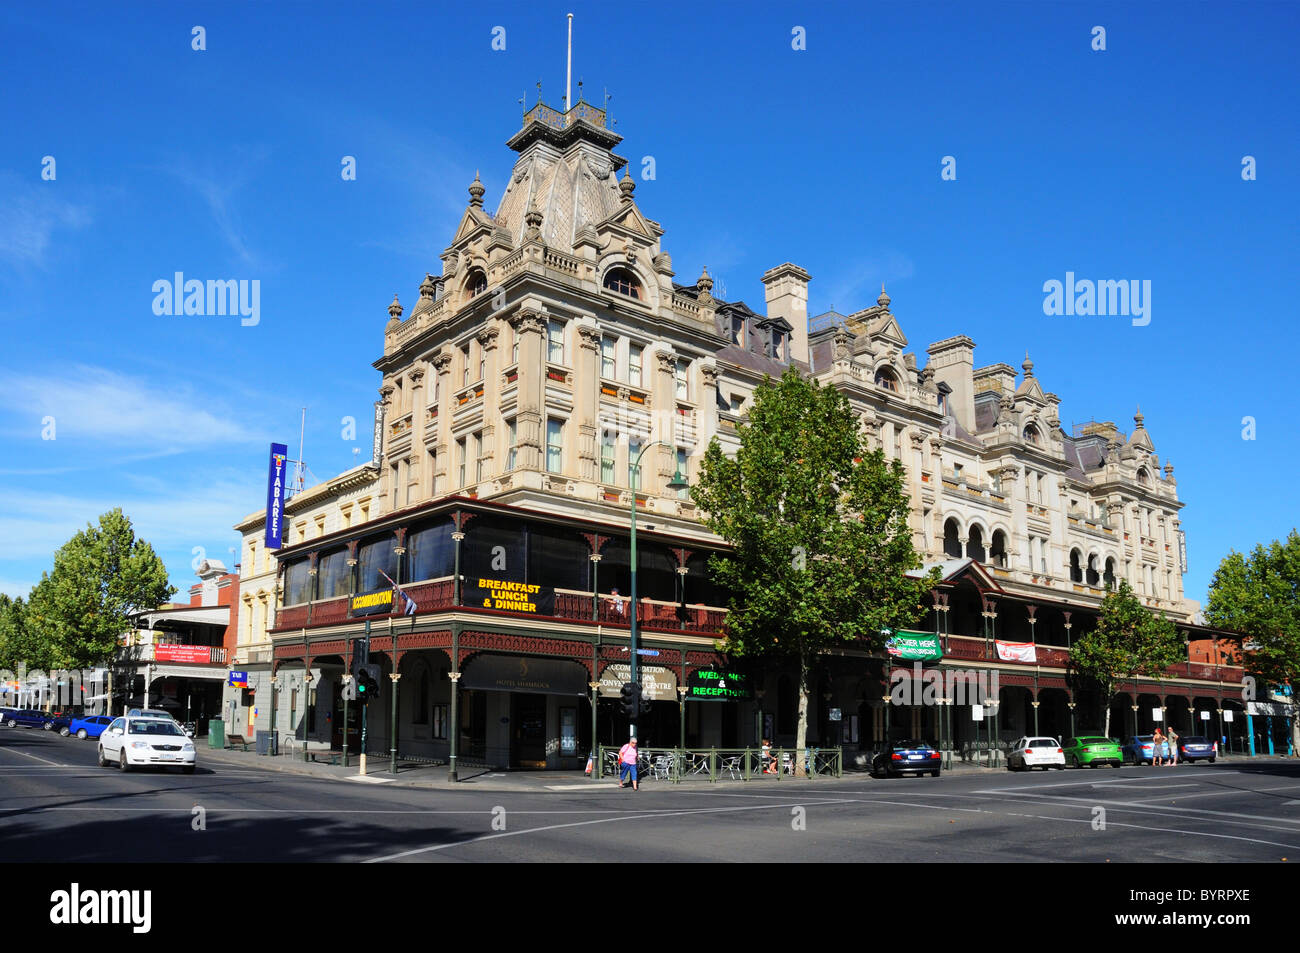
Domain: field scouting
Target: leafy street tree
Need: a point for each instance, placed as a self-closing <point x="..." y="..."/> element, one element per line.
<point x="20" y="646"/>
<point x="819" y="530"/>
<point x="1129" y="640"/>
<point x="100" y="577"/>
<point x="1259" y="596"/>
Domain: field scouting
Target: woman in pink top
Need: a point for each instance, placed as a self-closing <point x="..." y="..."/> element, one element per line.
<point x="627" y="764"/>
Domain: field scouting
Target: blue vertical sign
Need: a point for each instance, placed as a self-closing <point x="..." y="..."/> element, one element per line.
<point x="275" y="495"/>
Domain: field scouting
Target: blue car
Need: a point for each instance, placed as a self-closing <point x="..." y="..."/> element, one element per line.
<point x="1141" y="749"/>
<point x="30" y="718"/>
<point x="92" y="726"/>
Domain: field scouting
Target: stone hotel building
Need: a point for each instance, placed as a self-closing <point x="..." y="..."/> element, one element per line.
<point x="554" y="349"/>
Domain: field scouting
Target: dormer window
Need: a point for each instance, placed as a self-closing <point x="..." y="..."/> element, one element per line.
<point x="778" y="345"/>
<point x="1144" y="477"/>
<point x="476" y="283"/>
<point x="738" y="330"/>
<point x="1030" y="433"/>
<point x="622" y="281"/>
<point x="887" y="379"/>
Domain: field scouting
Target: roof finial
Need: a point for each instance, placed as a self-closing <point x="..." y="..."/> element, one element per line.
<point x="627" y="186"/>
<point x="395" y="309"/>
<point x="476" y="191"/>
<point x="1138" y="418"/>
<point x="883" y="300"/>
<point x="1027" y="367"/>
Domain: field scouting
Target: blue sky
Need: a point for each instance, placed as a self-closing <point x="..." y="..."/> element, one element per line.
<point x="225" y="163"/>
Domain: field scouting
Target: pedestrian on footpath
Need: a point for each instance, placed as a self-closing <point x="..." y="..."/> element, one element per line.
<point x="627" y="763"/>
<point x="1158" y="749"/>
<point x="1173" y="746"/>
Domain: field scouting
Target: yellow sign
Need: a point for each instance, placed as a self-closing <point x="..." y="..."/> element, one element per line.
<point x="506" y="596"/>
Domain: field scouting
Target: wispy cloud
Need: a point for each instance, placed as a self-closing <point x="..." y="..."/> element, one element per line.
<point x="219" y="192"/>
<point x="33" y="212"/>
<point x="102" y="405"/>
<point x="856" y="287"/>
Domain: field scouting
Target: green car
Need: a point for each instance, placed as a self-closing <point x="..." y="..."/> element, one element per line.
<point x="1091" y="750"/>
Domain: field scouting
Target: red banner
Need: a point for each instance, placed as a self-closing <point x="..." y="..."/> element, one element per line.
<point x="182" y="653"/>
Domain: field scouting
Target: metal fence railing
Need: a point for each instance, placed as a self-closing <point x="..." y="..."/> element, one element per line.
<point x="723" y="764"/>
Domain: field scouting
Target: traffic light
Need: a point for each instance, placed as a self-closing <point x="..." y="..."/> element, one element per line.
<point x="630" y="699"/>
<point x="367" y="683"/>
<point x="644" y="699"/>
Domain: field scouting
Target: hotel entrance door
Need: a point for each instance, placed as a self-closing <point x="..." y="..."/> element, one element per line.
<point x="527" y="731"/>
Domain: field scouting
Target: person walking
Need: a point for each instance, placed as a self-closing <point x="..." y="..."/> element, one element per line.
<point x="1158" y="749"/>
<point x="627" y="763"/>
<point x="1173" y="746"/>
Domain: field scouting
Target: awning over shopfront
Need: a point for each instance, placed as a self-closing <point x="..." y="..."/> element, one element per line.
<point x="511" y="673"/>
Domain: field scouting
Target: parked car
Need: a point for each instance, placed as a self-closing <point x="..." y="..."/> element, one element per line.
<point x="911" y="756"/>
<point x="1092" y="750"/>
<point x="90" y="726"/>
<point x="30" y="718"/>
<point x="131" y="742"/>
<point x="1140" y="749"/>
<point x="1040" y="752"/>
<point x="1197" y="748"/>
<point x="61" y="723"/>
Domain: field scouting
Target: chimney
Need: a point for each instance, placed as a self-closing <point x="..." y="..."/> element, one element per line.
<point x="787" y="297"/>
<point x="953" y="361"/>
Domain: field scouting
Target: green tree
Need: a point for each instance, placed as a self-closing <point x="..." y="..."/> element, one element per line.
<point x="1259" y="596"/>
<point x="818" y="528"/>
<point x="101" y="576"/>
<point x="1129" y="640"/>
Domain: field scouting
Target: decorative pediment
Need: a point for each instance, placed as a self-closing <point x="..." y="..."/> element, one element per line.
<point x="475" y="221"/>
<point x="886" y="328"/>
<point x="629" y="220"/>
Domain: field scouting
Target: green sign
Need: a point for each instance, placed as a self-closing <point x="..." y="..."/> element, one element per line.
<point x="718" y="686"/>
<point x="915" y="646"/>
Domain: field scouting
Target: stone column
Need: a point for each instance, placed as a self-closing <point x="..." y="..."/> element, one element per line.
<point x="442" y="445"/>
<point x="487" y="340"/>
<point x="663" y="402"/>
<point x="936" y="478"/>
<point x="416" y="468"/>
<point x="706" y="425"/>
<point x="385" y="468"/>
<point x="586" y="380"/>
<point x="529" y="322"/>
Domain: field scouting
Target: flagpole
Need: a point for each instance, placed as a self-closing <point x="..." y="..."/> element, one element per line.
<point x="568" y="76"/>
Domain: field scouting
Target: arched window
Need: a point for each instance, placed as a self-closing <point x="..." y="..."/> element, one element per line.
<point x="1144" y="476"/>
<point x="622" y="281"/>
<point x="998" y="551"/>
<point x="1109" y="576"/>
<point x="1076" y="566"/>
<point x="1093" y="576"/>
<point x="475" y="283"/>
<point x="1031" y="434"/>
<point x="951" y="544"/>
<point x="975" y="545"/>
<point x="887" y="379"/>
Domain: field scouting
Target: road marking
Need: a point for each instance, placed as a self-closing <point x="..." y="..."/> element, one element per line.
<point x="602" y="820"/>
<point x="368" y="778"/>
<point x="34" y="758"/>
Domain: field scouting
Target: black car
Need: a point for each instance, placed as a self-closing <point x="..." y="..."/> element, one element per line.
<point x="1196" y="748"/>
<point x="910" y="756"/>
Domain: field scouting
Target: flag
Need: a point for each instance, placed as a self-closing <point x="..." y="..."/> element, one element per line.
<point x="407" y="604"/>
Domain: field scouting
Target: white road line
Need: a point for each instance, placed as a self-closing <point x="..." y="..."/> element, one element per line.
<point x="1184" y="810"/>
<point x="34" y="758"/>
<point x="556" y="827"/>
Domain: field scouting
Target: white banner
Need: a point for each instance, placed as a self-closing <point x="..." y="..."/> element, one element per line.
<point x="1017" y="651"/>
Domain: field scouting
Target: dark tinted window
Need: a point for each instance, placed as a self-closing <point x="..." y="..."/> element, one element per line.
<point x="295" y="582"/>
<point x="334" y="574"/>
<point x="431" y="551"/>
<point x="374" y="558"/>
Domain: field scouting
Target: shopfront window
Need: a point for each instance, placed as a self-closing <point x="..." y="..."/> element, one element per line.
<point x="375" y="559"/>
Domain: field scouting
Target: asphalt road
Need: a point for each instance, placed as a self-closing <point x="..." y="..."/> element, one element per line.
<point x="57" y="805"/>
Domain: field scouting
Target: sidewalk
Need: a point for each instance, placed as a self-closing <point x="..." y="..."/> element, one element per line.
<point x="420" y="775"/>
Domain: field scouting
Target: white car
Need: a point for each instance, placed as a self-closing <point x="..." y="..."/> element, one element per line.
<point x="1035" y="752"/>
<point x="131" y="742"/>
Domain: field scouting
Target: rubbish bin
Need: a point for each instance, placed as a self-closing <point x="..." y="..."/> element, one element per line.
<point x="264" y="742"/>
<point x="216" y="733"/>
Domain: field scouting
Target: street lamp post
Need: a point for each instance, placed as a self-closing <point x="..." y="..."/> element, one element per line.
<point x="678" y="482"/>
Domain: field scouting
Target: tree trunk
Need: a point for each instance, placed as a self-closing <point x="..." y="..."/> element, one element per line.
<point x="801" y="734"/>
<point x="1106" y="730"/>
